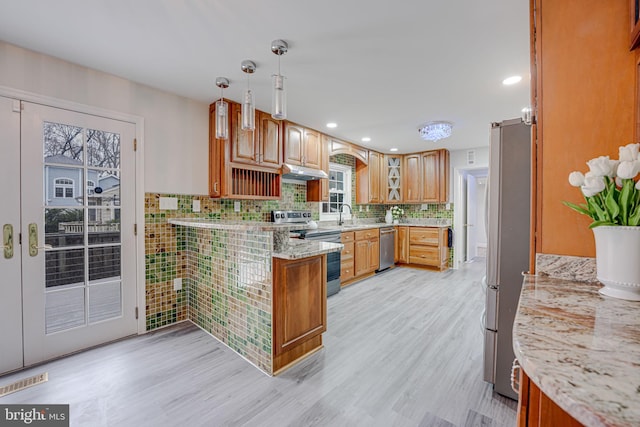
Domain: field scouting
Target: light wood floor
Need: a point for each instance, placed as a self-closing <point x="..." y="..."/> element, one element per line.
<point x="403" y="348"/>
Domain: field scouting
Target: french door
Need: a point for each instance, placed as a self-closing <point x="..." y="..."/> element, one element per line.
<point x="75" y="245"/>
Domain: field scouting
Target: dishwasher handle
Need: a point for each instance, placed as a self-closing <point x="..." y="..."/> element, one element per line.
<point x="387" y="230"/>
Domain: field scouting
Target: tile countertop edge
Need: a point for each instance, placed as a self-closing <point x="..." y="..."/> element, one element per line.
<point x="581" y="349"/>
<point x="236" y="225"/>
<point x="298" y="249"/>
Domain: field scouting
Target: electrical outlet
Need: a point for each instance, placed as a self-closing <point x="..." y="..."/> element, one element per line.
<point x="424" y="207"/>
<point x="177" y="284"/>
<point x="359" y="208"/>
<point x="367" y="208"/>
<point x="236" y="206"/>
<point x="448" y="206"/>
<point x="196" y="205"/>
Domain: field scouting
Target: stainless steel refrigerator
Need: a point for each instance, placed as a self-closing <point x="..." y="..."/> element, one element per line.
<point x="508" y="206"/>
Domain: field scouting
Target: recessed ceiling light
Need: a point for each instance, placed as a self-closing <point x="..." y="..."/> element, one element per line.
<point x="511" y="80"/>
<point x="393" y="149"/>
<point x="366" y="139"/>
<point x="332" y="125"/>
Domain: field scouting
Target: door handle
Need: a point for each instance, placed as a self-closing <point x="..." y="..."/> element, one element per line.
<point x="33" y="240"/>
<point x="7" y="240"/>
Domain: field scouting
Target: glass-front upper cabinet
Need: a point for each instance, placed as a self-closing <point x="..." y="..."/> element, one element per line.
<point x="393" y="166"/>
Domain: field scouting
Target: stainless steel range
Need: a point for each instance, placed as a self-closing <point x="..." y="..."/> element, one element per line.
<point x="319" y="234"/>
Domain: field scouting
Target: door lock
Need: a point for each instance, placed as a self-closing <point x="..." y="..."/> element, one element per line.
<point x="33" y="240"/>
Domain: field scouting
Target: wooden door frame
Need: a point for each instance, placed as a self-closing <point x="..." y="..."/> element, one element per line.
<point x="138" y="121"/>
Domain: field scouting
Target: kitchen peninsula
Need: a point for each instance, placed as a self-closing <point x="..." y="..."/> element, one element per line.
<point x="579" y="352"/>
<point x="254" y="289"/>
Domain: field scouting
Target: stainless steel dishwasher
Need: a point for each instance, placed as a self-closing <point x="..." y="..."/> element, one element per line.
<point x="387" y="247"/>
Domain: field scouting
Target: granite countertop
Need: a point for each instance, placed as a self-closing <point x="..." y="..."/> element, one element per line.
<point x="363" y="226"/>
<point x="236" y="225"/>
<point x="297" y="249"/>
<point x="581" y="348"/>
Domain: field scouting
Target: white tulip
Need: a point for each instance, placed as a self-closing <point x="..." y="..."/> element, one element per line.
<point x="593" y="185"/>
<point x="638" y="185"/>
<point x="601" y="166"/>
<point x="628" y="169"/>
<point x="629" y="152"/>
<point x="619" y="181"/>
<point x="576" y="179"/>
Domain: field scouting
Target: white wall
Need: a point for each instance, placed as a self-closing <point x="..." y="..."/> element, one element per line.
<point x="176" y="128"/>
<point x="481" y="195"/>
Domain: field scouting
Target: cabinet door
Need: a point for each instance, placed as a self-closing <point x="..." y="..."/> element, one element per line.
<point x="270" y="140"/>
<point x="411" y="190"/>
<point x="300" y="310"/>
<point x="243" y="142"/>
<point x="312" y="149"/>
<point x="402" y="249"/>
<point x="361" y="257"/>
<point x="293" y="141"/>
<point x="430" y="177"/>
<point x="318" y="190"/>
<point x="375" y="161"/>
<point x="424" y="255"/>
<point x="444" y="175"/>
<point x="374" y="254"/>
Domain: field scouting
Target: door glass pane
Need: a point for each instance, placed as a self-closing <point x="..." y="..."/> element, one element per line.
<point x="104" y="263"/>
<point x="64" y="309"/>
<point x="64" y="227"/>
<point x="64" y="186"/>
<point x="64" y="267"/>
<point x="62" y="144"/>
<point x="106" y="191"/>
<point x="104" y="225"/>
<point x="103" y="149"/>
<point x="105" y="301"/>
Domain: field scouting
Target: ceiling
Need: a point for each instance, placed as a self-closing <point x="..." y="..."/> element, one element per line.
<point x="377" y="69"/>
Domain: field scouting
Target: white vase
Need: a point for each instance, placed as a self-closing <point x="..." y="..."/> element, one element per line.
<point x="388" y="218"/>
<point x="617" y="261"/>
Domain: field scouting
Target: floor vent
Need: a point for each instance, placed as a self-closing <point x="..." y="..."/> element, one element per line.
<point x="24" y="383"/>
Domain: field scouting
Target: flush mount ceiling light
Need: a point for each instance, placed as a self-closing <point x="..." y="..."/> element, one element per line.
<point x="332" y="125"/>
<point x="434" y="131"/>
<point x="393" y="150"/>
<point x="366" y="139"/>
<point x="222" y="110"/>
<point x="511" y="80"/>
<point x="279" y="96"/>
<point x="248" y="109"/>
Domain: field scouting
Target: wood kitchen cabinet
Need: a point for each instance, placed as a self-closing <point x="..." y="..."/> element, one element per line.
<point x="392" y="179"/>
<point x="347" y="266"/>
<point x="536" y="409"/>
<point x="412" y="181"/>
<point x="245" y="166"/>
<point x="428" y="246"/>
<point x="302" y="146"/>
<point x="318" y="189"/>
<point x="369" y="179"/>
<point x="402" y="245"/>
<point x="361" y="255"/>
<point x="430" y="162"/>
<point x="262" y="146"/>
<point x="299" y="308"/>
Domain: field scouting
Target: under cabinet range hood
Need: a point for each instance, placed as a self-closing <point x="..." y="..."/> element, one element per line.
<point x="301" y="172"/>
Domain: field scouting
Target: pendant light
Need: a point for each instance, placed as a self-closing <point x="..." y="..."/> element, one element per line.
<point x="222" y="110"/>
<point x="248" y="106"/>
<point x="279" y="96"/>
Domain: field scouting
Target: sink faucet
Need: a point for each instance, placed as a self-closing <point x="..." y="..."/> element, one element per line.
<point x="340" y="222"/>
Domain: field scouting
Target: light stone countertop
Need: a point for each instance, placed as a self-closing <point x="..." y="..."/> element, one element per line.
<point x="297" y="249"/>
<point x="581" y="348"/>
<point x="348" y="226"/>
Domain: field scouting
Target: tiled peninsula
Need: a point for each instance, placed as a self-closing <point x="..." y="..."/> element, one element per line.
<point x="228" y="275"/>
<point x="581" y="349"/>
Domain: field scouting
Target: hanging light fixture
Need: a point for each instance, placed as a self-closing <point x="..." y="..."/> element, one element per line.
<point x="434" y="131"/>
<point x="279" y="96"/>
<point x="248" y="109"/>
<point x="222" y="110"/>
